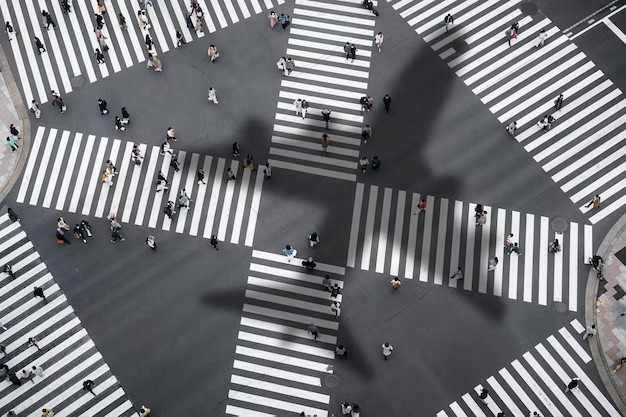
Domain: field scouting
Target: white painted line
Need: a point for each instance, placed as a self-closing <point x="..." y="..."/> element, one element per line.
<point x="128" y="61"/>
<point x="314" y="146"/>
<point x="588" y="244"/>
<point x="121" y="178"/>
<point x="354" y="229"/>
<point x="231" y="410"/>
<point x="536" y="389"/>
<point x="284" y="359"/>
<point x="320" y="159"/>
<point x="607" y="17"/>
<point x="287" y="345"/>
<point x="104" y="190"/>
<point x="471" y="404"/>
<point x="217" y="9"/>
<point x="189" y="185"/>
<point x="458" y="411"/>
<point x="279" y="404"/>
<point x="296" y="131"/>
<point x="440" y="9"/>
<point x="19" y="60"/>
<point x="341" y="9"/>
<point x="396" y="250"/>
<point x="158" y="197"/>
<point x="199" y="200"/>
<point x="456" y="242"/>
<point x="469" y="249"/>
<point x="518" y="390"/>
<point x="43" y="166"/>
<point x="528" y="258"/>
<point x="279" y="389"/>
<point x="369" y="228"/>
<point x="543" y="261"/>
<point x="215" y="195"/>
<point x="614" y="206"/>
<point x="333" y="16"/>
<point x="296" y="289"/>
<point x="277" y="373"/>
<point x="483" y="272"/>
<point x="182" y="23"/>
<point x="363" y="33"/>
<point x="504" y="396"/>
<point x="131" y="18"/>
<point x="56" y="50"/>
<point x="558" y="269"/>
<point x="441" y="240"/>
<point x="82" y="171"/>
<point x="426" y="238"/>
<point x="573" y="343"/>
<point x="300" y="332"/>
<point x="312" y="170"/>
<point x="293" y="275"/>
<point x="174" y="190"/>
<point x="94" y="178"/>
<point x="254" y="209"/>
<point x="156" y="27"/>
<point x="30" y="166"/>
<point x="513" y="258"/>
<point x="56" y="169"/>
<point x="383" y="231"/>
<point x="274" y="257"/>
<point x="411" y="244"/>
<point x="577" y="326"/>
<point x="228" y="201"/>
<point x="134" y="185"/>
<point x="110" y="54"/>
<point x="296" y="318"/>
<point x="69" y="169"/>
<point x="617" y="31"/>
<point x="86" y="24"/>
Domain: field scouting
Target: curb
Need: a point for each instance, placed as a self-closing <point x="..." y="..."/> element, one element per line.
<point x="24" y="120"/>
<point x="591" y="295"/>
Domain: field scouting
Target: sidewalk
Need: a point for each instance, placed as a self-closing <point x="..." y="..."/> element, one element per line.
<point x="12" y="111"/>
<point x="605" y="311"/>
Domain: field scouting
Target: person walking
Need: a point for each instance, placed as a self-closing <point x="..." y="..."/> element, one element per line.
<point x="248" y="162"/>
<point x="326" y="283"/>
<point x="366" y="133"/>
<point x="619" y="363"/>
<point x="572" y="384"/>
<point x="387" y="102"/>
<point x="335" y="291"/>
<point x="151" y="242"/>
<point x="313" y="330"/>
<point x="213" y="54"/>
<point x="595" y="202"/>
<point x="483" y="395"/>
<point x="395" y="284"/>
<point x="458" y="274"/>
<point x="341" y="351"/>
<point x="421" y="206"/>
<point x="314" y="239"/>
<point x="12" y="145"/>
<point x="267" y="171"/>
<point x="125" y="116"/>
<point x="48" y="20"/>
<point x="448" y="21"/>
<point x="482" y="218"/>
<point x="153" y="62"/>
<point x="198" y="27"/>
<point x="363" y="163"/>
<point x="174" y="163"/>
<point x="214" y="242"/>
<point x="32" y="342"/>
<point x="236" y="149"/>
<point x="122" y="21"/>
<point x="290" y="65"/>
<point x="106" y="178"/>
<point x="309" y="264"/>
<point x="200" y="175"/>
<point x="558" y="103"/>
<point x="212" y="95"/>
<point x="119" y="126"/>
<point x="171" y="134"/>
<point x="352" y="52"/>
<point x="144" y="411"/>
<point x="88" y="385"/>
<point x="378" y="39"/>
<point x="10" y="31"/>
<point x="230" y="176"/>
<point x="34" y="108"/>
<point x="325" y="143"/>
<point x="346" y="49"/>
<point x="60" y="234"/>
<point x="165" y="147"/>
<point x="27" y="376"/>
<point x="508" y="242"/>
<point x="3" y="350"/>
<point x="334" y="308"/>
<point x="304" y="108"/>
<point x="297" y="104"/>
<point x="326" y="116"/>
<point x="511" y="128"/>
<point x="39" y="45"/>
<point x="169" y="210"/>
<point x="99" y="56"/>
<point x="38" y="292"/>
<point x="387" y="350"/>
<point x="183" y="199"/>
<point x="375" y="163"/>
<point x="290" y="252"/>
<point x="273" y="17"/>
<point x="541" y="39"/>
<point x="161" y="186"/>
<point x="102" y="105"/>
<point x="590" y="331"/>
<point x="284" y="21"/>
<point x="180" y="39"/>
<point x="493" y="263"/>
<point x="514" y="248"/>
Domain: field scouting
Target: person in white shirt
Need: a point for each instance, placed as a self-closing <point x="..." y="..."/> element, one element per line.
<point x="387" y="349"/>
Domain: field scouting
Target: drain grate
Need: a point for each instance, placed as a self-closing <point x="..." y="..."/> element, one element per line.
<point x="331" y="381"/>
<point x="560" y="307"/>
<point x="559" y="224"/>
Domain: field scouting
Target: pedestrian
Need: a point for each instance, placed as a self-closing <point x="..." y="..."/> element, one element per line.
<point x="590" y="331"/>
<point x="115" y="232"/>
<point x="267" y="171"/>
<point x="326" y="283"/>
<point x="118" y="125"/>
<point x="387" y="349"/>
<point x="39" y="45"/>
<point x="334" y="308"/>
<point x="541" y="39"/>
<point x="326" y="116"/>
<point x="174" y="163"/>
<point x="352" y="52"/>
<point x="387" y="102"/>
<point x="458" y="274"/>
<point x="365" y="103"/>
<point x="508" y="242"/>
<point x="27" y="376"/>
<point x="375" y="163"/>
<point x="558" y="103"/>
<point x="395" y="284"/>
<point x="281" y="64"/>
<point x="183" y="199"/>
<point x="102" y="104"/>
<point x="290" y="252"/>
<point x="325" y="143"/>
<point x="595" y="202"/>
<point x="555" y="246"/>
<point x="304" y="108"/>
<point x="153" y="62"/>
<point x="314" y="239"/>
<point x="47" y="412"/>
<point x="421" y="206"/>
<point x="180" y="39"/>
<point x="38" y="292"/>
<point x="110" y="168"/>
<point x="335" y="291"/>
<point x="236" y="149"/>
<point x="248" y="162"/>
<point x="142" y="19"/>
<point x="61" y="237"/>
<point x="619" y="363"/>
<point x="136" y="154"/>
<point x="32" y="342"/>
<point x="99" y="56"/>
<point x="171" y="134"/>
<point x="273" y="17"/>
<point x="366" y="133"/>
<point x="165" y="147"/>
<point x="144" y="411"/>
<point x="34" y="108"/>
<point x="149" y="43"/>
<point x="511" y="128"/>
<point x="363" y="163"/>
<point x="508" y="35"/>
<point x="57" y="100"/>
<point x="61" y="224"/>
<point x="10" y="31"/>
<point x="572" y="384"/>
<point x="106" y="178"/>
<point x="515" y="29"/>
<point x="493" y="263"/>
<point x="48" y="20"/>
<point x="200" y="175"/>
<point x="309" y="264"/>
<point x="483" y="395"/>
<point x="213" y="54"/>
<point x="314" y="331"/>
<point x="151" y="242"/>
<point x="214" y="242"/>
<point x="230" y="176"/>
<point x="3" y="349"/>
<point x="513" y="249"/>
<point x="88" y="385"/>
<point x="297" y="104"/>
<point x="290" y="65"/>
<point x="448" y="21"/>
<point x="101" y="8"/>
<point x="78" y="233"/>
<point x="12" y="144"/>
<point x="12" y="215"/>
<point x="14" y="379"/>
<point x="284" y="21"/>
<point x="212" y="95"/>
<point x="341" y="352"/>
<point x="169" y="210"/>
<point x="125" y="116"/>
<point x="122" y="21"/>
<point x="378" y="39"/>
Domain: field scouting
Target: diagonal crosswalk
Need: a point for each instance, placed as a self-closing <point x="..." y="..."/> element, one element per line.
<point x="584" y="150"/>
<point x="326" y="80"/>
<point x="536" y="383"/>
<point x="390" y="236"/>
<point x="70" y="46"/>
<point x="278" y="368"/>
<point x="64" y="171"/>
<point x="65" y="351"/>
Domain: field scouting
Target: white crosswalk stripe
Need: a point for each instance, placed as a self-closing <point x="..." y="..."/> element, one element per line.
<point x="543" y="375"/>
<point x="71" y="45"/>
<point x="278" y="366"/>
<point x="65" y="352"/>
<point x="390" y="236"/>
<point x="326" y="80"/>
<point x="583" y="150"/>
<point x="230" y="212"/>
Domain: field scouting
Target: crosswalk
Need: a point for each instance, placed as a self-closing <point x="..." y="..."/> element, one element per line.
<point x="537" y="383"/>
<point x="389" y="237"/>
<point x="326" y="80"/>
<point x="278" y="368"/>
<point x="65" y="351"/>
<point x="70" y="47"/>
<point x="64" y="172"/>
<point x="584" y="151"/>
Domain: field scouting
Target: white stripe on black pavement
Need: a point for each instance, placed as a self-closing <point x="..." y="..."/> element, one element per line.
<point x="389" y="237"/>
<point x="228" y="210"/>
<point x="70" y="47"/>
<point x="536" y="383"/>
<point x="66" y="353"/>
<point x="278" y="368"/>
<point x="583" y="150"/>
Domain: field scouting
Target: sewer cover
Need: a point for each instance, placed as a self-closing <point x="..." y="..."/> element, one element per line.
<point x="559" y="224"/>
<point x="77" y="82"/>
<point x="528" y="8"/>
<point x="331" y="381"/>
<point x="560" y="307"/>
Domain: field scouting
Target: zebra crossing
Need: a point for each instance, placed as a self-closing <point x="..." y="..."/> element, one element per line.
<point x="278" y="368"/>
<point x="390" y="236"/>
<point x="584" y="151"/>
<point x="63" y="172"/>
<point x="72" y="44"/>
<point x="326" y="80"/>
<point x="65" y="351"/>
<point x="536" y="383"/>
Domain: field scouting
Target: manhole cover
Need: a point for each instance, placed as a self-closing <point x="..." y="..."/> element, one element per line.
<point x="528" y="8"/>
<point x="560" y="307"/>
<point x="559" y="224"/>
<point x="460" y="46"/>
<point x="77" y="82"/>
<point x="331" y="381"/>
